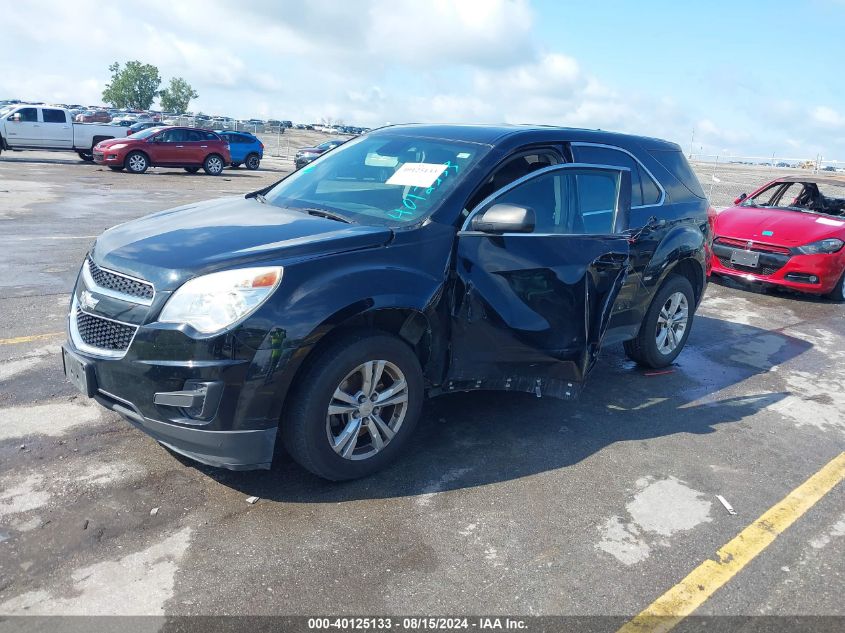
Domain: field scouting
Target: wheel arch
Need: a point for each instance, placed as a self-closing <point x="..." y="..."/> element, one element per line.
<point x="410" y="324"/>
<point x="680" y="252"/>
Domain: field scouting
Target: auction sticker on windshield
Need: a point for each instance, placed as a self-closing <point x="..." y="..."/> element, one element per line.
<point x="416" y="174"/>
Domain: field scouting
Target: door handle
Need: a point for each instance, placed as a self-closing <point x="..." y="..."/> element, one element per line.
<point x="203" y="146"/>
<point x="180" y="146"/>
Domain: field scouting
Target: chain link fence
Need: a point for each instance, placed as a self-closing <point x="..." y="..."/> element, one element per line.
<point x="724" y="178"/>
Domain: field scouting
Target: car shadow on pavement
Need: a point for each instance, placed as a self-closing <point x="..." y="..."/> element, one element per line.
<point x="479" y="438"/>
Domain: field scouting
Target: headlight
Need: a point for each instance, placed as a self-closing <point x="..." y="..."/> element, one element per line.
<point x="117" y="146"/>
<point x="830" y="245"/>
<point x="213" y="302"/>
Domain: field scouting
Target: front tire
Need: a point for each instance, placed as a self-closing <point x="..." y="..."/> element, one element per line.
<point x="666" y="326"/>
<point x="88" y="157"/>
<point x="253" y="162"/>
<point x="136" y="162"/>
<point x="838" y="292"/>
<point x="355" y="406"/>
<point x="213" y="165"/>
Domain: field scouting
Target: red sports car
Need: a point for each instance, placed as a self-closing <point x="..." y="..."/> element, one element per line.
<point x="189" y="148"/>
<point x="789" y="233"/>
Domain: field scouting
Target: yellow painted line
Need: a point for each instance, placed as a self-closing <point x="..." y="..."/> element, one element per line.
<point x="673" y="606"/>
<point x="28" y="339"/>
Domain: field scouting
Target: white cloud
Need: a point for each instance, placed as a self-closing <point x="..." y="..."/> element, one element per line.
<point x="827" y="117"/>
<point x="373" y="61"/>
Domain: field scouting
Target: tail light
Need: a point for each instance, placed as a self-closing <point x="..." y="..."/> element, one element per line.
<point x="260" y="144"/>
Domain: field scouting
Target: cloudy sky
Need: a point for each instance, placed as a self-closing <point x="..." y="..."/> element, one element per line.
<point x="749" y="78"/>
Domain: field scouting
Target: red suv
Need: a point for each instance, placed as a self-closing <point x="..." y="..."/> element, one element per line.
<point x="187" y="147"/>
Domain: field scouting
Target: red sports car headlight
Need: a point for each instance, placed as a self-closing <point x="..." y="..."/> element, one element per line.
<point x="830" y="245"/>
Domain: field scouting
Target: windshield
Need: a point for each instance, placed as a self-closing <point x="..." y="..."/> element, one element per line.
<point x="390" y="180"/>
<point x="5" y="110"/>
<point x="809" y="196"/>
<point x="146" y="133"/>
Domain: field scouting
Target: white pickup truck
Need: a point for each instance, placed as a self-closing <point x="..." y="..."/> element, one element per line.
<point x="24" y="126"/>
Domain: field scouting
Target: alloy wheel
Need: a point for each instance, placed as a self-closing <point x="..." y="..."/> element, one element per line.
<point x="137" y="163"/>
<point x="214" y="165"/>
<point x="367" y="409"/>
<point x="672" y="323"/>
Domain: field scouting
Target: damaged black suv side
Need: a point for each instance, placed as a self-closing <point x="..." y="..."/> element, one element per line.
<point x="413" y="261"/>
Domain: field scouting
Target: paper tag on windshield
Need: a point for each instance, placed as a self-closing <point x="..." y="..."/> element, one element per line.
<point x="829" y="222"/>
<point x="416" y="174"/>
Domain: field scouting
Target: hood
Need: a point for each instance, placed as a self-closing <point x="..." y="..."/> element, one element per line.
<point x="169" y="247"/>
<point x="788" y="228"/>
<point x="310" y="150"/>
<point x="112" y="141"/>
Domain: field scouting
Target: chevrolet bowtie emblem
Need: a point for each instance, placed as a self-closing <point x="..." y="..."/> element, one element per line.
<point x="87" y="300"/>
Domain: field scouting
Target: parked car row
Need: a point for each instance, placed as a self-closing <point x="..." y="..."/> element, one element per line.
<point x="190" y="148"/>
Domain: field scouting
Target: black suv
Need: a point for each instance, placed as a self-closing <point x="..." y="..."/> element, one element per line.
<point x="415" y="260"/>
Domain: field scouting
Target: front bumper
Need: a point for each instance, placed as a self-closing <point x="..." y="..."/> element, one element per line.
<point x="215" y="399"/>
<point x="794" y="272"/>
<point x="234" y="450"/>
<point x="105" y="157"/>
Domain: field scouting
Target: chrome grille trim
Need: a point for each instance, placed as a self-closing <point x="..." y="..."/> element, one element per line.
<point x="145" y="299"/>
<point x="84" y="347"/>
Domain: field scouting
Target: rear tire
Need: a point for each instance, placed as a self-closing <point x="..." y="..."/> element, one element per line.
<point x="88" y="157"/>
<point x="213" y="164"/>
<point x="654" y="347"/>
<point x="192" y="170"/>
<point x="309" y="430"/>
<point x="253" y="162"/>
<point x="136" y="162"/>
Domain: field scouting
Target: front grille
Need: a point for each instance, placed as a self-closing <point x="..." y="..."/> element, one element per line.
<point x="763" y="269"/>
<point x="759" y="247"/>
<point x="102" y="333"/>
<point x="98" y="156"/>
<point x="119" y="283"/>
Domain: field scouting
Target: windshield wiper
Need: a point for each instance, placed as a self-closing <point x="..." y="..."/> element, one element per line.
<point x="323" y="213"/>
<point x="260" y="197"/>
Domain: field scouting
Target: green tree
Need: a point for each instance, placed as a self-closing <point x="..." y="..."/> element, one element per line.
<point x="133" y="86"/>
<point x="177" y="96"/>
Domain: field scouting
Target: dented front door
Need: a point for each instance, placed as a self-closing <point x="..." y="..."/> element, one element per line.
<point x="529" y="310"/>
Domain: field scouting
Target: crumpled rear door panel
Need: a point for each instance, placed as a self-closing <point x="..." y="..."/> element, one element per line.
<point x="529" y="311"/>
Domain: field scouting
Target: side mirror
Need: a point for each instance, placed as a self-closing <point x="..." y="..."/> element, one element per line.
<point x="505" y="218"/>
<point x="16" y="117"/>
<point x="741" y="198"/>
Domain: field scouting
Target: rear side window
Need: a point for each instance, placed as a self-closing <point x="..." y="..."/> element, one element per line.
<point x="54" y="116"/>
<point x="644" y="190"/>
<point x="676" y="164"/>
<point x="211" y="136"/>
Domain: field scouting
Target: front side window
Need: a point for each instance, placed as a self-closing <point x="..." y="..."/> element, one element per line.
<point x="569" y="201"/>
<point x="171" y="136"/>
<point x="389" y="180"/>
<point x="29" y="115"/>
<point x="54" y="116"/>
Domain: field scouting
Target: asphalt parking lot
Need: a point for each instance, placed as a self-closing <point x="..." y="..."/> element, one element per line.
<point x="505" y="503"/>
